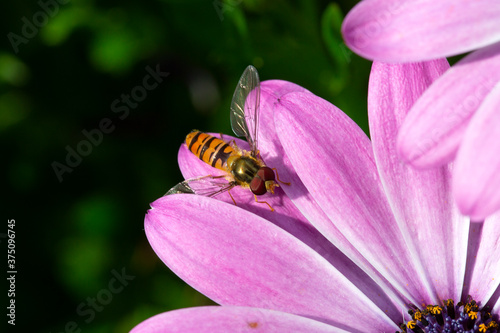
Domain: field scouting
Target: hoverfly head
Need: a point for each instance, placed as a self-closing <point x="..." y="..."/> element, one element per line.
<point x="263" y="181"/>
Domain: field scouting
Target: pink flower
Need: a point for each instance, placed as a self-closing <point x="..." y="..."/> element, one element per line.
<point x="354" y="240"/>
<point x="458" y="117"/>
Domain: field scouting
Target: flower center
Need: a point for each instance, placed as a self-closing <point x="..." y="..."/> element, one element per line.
<point x="450" y="318"/>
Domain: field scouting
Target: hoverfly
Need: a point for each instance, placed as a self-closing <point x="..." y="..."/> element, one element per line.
<point x="243" y="168"/>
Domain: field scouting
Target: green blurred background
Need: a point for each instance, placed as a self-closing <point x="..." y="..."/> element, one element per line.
<point x="59" y="78"/>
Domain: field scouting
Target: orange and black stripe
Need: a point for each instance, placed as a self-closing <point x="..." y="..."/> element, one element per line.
<point x="209" y="149"/>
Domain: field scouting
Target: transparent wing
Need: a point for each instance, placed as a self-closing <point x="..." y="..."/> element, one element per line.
<point x="207" y="186"/>
<point x="245" y="107"/>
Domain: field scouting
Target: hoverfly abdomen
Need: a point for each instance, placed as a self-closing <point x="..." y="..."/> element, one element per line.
<point x="209" y="149"/>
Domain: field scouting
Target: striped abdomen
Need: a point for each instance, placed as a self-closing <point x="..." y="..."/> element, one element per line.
<point x="209" y="149"/>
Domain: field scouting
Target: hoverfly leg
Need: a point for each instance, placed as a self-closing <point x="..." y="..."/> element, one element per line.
<point x="278" y="178"/>
<point x="229" y="191"/>
<point x="232" y="143"/>
<point x="210" y="176"/>
<point x="272" y="209"/>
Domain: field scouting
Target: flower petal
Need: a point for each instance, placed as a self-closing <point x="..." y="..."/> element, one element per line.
<point x="286" y="211"/>
<point x="238" y="258"/>
<point x="286" y="214"/>
<point x="334" y="160"/>
<point x="417" y="30"/>
<point x="476" y="178"/>
<point x="483" y="263"/>
<point x="434" y="128"/>
<point x="496" y="305"/>
<point x="433" y="229"/>
<point x="269" y="145"/>
<point x="274" y="155"/>
<point x="230" y="319"/>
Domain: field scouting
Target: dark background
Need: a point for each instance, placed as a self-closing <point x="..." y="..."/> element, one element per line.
<point x="75" y="231"/>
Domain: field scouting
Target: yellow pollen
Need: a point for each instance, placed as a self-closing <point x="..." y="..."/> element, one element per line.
<point x="436" y="310"/>
<point x="434" y="315"/>
<point x="472" y="315"/>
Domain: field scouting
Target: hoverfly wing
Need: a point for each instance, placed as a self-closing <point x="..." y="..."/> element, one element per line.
<point x="207" y="186"/>
<point x="245" y="107"/>
<point x="182" y="187"/>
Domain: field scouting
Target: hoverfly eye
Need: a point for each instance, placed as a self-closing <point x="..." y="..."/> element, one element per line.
<point x="258" y="186"/>
<point x="266" y="174"/>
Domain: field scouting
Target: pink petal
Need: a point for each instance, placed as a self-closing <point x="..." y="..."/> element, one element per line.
<point x="476" y="179"/>
<point x="421" y="200"/>
<point x="274" y="156"/>
<point x="273" y="153"/>
<point x="483" y="264"/>
<point x="334" y="160"/>
<point x="434" y="128"/>
<point x="417" y="30"/>
<point x="238" y="258"/>
<point x="496" y="305"/>
<point x="230" y="319"/>
<point x="286" y="214"/>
